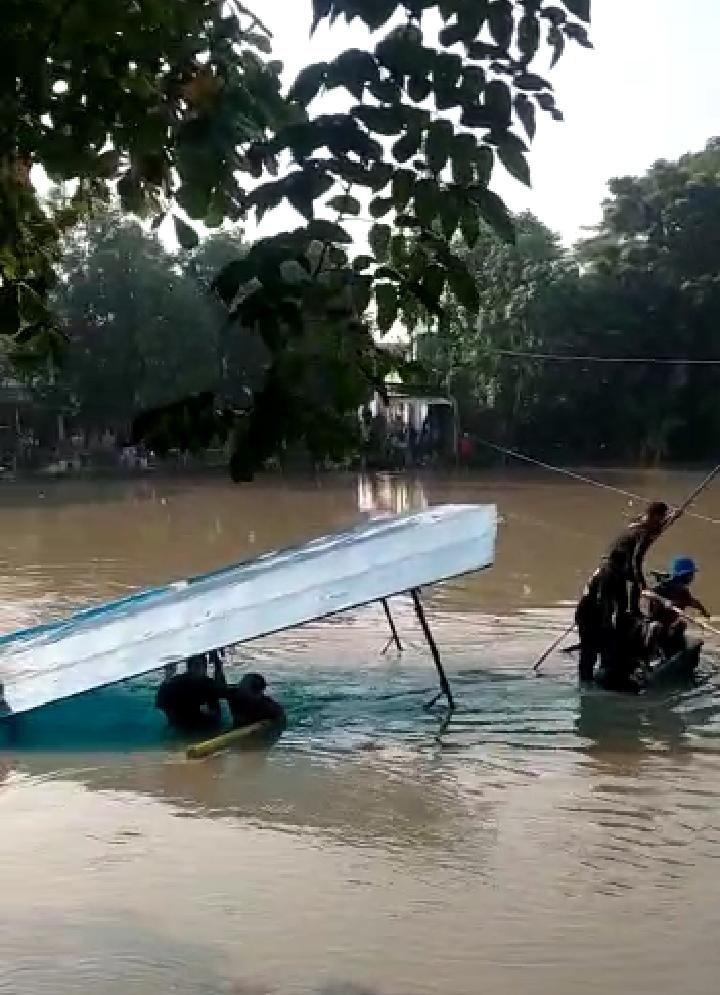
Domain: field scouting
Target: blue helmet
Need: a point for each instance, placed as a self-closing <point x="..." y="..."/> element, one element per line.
<point x="682" y="567"/>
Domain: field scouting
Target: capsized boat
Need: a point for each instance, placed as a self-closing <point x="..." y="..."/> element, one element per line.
<point x="372" y="562"/>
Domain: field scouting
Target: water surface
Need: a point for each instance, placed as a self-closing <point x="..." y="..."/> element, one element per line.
<point x="545" y="842"/>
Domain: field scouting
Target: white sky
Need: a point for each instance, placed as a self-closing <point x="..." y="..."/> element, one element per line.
<point x="649" y="90"/>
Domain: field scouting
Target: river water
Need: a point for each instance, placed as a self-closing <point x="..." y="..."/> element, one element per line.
<point x="546" y="842"/>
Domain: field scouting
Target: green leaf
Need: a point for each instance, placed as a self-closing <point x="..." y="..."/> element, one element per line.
<point x="449" y="214"/>
<point x="328" y="231"/>
<point x="186" y="235"/>
<point x="470" y="225"/>
<point x="484" y="162"/>
<point x="108" y="163"/>
<point x="531" y="81"/>
<point x="500" y="18"/>
<point x="464" y="154"/>
<point x="381" y="120"/>
<point x="402" y="187"/>
<point x="580" y="8"/>
<point x="231" y="277"/>
<point x="398" y="250"/>
<point x="494" y="211"/>
<point x="380" y="206"/>
<point x="556" y="15"/>
<point x="579" y="34"/>
<point x="427" y="201"/>
<point x="498" y="104"/>
<point x="432" y="286"/>
<point x="386" y="299"/>
<point x="513" y="159"/>
<point x="345" y="204"/>
<point x="386" y="90"/>
<point x="361" y="291"/>
<point x="528" y="36"/>
<point x="419" y="88"/>
<point x="194" y="198"/>
<point x="308" y="83"/>
<point x="379" y="241"/>
<point x="438" y="145"/>
<point x="525" y="110"/>
<point x="337" y="256"/>
<point x="407" y="146"/>
<point x="354" y="70"/>
<point x="266" y="197"/>
<point x="556" y="39"/>
<point x="321" y="10"/>
<point x="462" y="283"/>
<point x="361" y="263"/>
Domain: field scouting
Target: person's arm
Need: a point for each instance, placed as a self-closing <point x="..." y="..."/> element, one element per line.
<point x="698" y="606"/>
<point x="272" y="711"/>
<point x="642" y="544"/>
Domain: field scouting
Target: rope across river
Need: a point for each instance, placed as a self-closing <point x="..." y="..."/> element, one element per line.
<point x="573" y="475"/>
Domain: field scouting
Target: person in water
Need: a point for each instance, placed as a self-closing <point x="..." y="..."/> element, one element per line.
<point x="602" y="614"/>
<point x="632" y="544"/>
<point x="675" y="589"/>
<point x="191" y="700"/>
<point x="248" y="702"/>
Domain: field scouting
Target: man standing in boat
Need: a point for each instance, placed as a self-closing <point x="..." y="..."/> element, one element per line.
<point x="602" y="614"/>
<point x="633" y="543"/>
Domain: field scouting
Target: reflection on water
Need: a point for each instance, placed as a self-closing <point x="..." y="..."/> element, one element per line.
<point x="550" y="841"/>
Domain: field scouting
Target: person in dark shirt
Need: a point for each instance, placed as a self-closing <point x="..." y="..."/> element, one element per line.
<point x="191" y="701"/>
<point x="632" y="544"/>
<point x="601" y="614"/>
<point x="675" y="589"/>
<point x="249" y="704"/>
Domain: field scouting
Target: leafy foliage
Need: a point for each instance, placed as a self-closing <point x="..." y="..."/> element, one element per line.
<point x="645" y="286"/>
<point x="174" y="102"/>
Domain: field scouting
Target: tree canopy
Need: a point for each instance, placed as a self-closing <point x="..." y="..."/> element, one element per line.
<point x="642" y="291"/>
<point x="179" y="108"/>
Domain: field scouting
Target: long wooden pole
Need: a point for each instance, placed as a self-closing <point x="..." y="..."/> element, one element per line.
<point x="553" y="646"/>
<point x="693" y="497"/>
<point x="678" y="513"/>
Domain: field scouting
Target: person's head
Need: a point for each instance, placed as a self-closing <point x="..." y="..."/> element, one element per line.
<point x="683" y="569"/>
<point x="656" y="513"/>
<point x="197" y="665"/>
<point x="253" y="684"/>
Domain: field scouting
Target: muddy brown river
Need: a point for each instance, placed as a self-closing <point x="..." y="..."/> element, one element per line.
<point x="549" y="842"/>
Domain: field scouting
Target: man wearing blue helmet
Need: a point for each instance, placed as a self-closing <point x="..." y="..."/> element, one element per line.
<point x="675" y="589"/>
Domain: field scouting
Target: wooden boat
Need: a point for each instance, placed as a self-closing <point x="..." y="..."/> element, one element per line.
<point x="386" y="556"/>
<point x="678" y="669"/>
<point x="672" y="671"/>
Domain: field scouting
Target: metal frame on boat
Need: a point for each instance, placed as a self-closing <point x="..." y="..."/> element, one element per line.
<point x="372" y="562"/>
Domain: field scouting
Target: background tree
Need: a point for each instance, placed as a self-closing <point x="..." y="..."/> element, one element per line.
<point x="642" y="291"/>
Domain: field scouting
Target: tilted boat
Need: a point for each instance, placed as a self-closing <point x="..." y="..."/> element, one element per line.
<point x="381" y="558"/>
